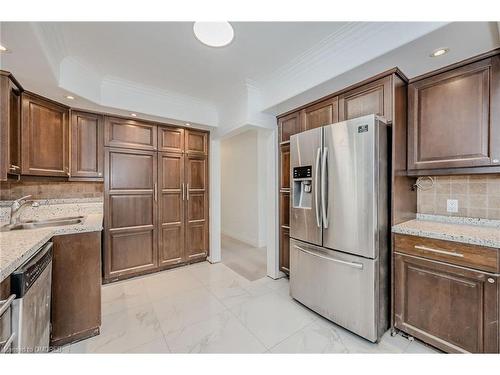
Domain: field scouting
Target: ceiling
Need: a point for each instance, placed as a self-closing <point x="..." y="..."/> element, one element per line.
<point x="161" y="71"/>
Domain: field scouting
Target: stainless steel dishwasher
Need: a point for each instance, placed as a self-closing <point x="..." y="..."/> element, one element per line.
<point x="31" y="283"/>
<point x="7" y="334"/>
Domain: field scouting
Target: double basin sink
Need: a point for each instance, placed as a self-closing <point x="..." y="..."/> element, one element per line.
<point x="32" y="224"/>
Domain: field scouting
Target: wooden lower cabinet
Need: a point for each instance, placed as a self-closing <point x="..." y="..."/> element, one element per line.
<point x="76" y="287"/>
<point x="453" y="308"/>
<point x="156" y="205"/>
<point x="196" y="176"/>
<point x="171" y="208"/>
<point x="285" y="250"/>
<point x="130" y="207"/>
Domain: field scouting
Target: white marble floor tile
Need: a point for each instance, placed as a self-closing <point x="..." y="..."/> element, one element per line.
<point x="122" y="331"/>
<point x="417" y="347"/>
<point x="222" y="333"/>
<point x="316" y="337"/>
<point x="183" y="309"/>
<point x="123" y="296"/>
<point x="272" y="318"/>
<point x="167" y="283"/>
<point x="156" y="346"/>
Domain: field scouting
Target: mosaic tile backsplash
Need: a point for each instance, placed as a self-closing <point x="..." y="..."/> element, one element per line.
<point x="478" y="196"/>
<point x="11" y="190"/>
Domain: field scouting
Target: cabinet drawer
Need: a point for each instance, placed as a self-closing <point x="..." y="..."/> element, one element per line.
<point x="474" y="256"/>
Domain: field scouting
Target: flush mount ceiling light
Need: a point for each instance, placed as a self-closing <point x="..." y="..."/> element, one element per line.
<point x="440" y="52"/>
<point x="3" y="49"/>
<point x="214" y="34"/>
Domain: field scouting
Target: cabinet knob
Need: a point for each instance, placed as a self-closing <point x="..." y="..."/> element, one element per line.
<point x="491" y="280"/>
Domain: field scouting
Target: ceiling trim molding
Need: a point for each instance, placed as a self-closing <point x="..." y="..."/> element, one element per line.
<point x="345" y="49"/>
<point x="52" y="41"/>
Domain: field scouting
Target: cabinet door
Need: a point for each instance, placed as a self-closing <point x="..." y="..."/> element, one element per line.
<point x="130" y="212"/>
<point x="454" y="118"/>
<point x="450" y="307"/>
<point x="14" y="129"/>
<point x="285" y="250"/>
<point x="320" y="114"/>
<point x="196" y="142"/>
<point x="285" y="167"/>
<point x="372" y="98"/>
<point x="171" y="208"/>
<point x="45" y="135"/>
<point x="170" y="139"/>
<point x="288" y="126"/>
<point x="10" y="127"/>
<point x="87" y="145"/>
<point x="76" y="287"/>
<point x="196" y="176"/>
<point x="120" y="132"/>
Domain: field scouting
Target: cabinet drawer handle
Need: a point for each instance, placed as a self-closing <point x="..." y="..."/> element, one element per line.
<point x="458" y="255"/>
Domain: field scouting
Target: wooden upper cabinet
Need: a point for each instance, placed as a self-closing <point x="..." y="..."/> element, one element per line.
<point x="454" y="118"/>
<point x="196" y="142"/>
<point x="320" y="114"/>
<point x="120" y="132"/>
<point x="372" y="98"/>
<point x="87" y="145"/>
<point x="170" y="139"/>
<point x="10" y="126"/>
<point x="288" y="126"/>
<point x="45" y="135"/>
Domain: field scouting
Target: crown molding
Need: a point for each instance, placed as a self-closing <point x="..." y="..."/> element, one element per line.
<point x="348" y="47"/>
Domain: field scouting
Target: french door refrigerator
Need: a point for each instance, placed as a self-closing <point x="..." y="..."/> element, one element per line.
<point x="339" y="215"/>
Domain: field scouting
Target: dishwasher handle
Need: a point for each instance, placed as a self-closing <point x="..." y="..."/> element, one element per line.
<point x="6" y="304"/>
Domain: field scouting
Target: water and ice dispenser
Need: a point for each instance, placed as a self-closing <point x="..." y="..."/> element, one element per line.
<point x="302" y="187"/>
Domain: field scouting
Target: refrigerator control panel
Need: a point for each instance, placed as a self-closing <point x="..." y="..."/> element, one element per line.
<point x="302" y="172"/>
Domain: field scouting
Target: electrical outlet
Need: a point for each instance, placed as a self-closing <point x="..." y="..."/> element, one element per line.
<point x="452" y="205"/>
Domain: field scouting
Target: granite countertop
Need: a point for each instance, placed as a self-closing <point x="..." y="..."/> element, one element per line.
<point x="19" y="245"/>
<point x="465" y="230"/>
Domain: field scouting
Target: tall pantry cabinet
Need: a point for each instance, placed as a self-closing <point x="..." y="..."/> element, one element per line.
<point x="156" y="197"/>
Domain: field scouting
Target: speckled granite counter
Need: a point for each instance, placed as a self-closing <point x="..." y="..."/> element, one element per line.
<point x="465" y="230"/>
<point x="19" y="245"/>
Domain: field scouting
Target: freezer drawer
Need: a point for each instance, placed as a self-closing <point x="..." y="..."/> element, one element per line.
<point x="341" y="287"/>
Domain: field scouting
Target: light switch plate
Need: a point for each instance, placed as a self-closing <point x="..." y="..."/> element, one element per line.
<point x="452" y="205"/>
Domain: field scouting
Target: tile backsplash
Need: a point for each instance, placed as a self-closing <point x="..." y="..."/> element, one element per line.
<point x="11" y="190"/>
<point x="478" y="196"/>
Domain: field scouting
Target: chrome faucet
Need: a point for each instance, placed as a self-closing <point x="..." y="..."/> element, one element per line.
<point x="15" y="208"/>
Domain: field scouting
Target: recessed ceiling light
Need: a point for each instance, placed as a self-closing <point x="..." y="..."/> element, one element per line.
<point x="440" y="52"/>
<point x="188" y="124"/>
<point x="133" y="115"/>
<point x="70" y="97"/>
<point x="3" y="49"/>
<point x="214" y="34"/>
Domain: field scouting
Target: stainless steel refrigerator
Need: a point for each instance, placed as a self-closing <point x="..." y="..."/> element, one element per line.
<point x="339" y="219"/>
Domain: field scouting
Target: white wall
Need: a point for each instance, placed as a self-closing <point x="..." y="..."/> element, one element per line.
<point x="243" y="187"/>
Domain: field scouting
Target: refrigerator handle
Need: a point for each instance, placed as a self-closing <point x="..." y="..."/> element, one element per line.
<point x="324" y="181"/>
<point x="316" y="187"/>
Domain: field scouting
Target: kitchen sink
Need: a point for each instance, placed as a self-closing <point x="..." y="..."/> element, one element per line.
<point x="32" y="224"/>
